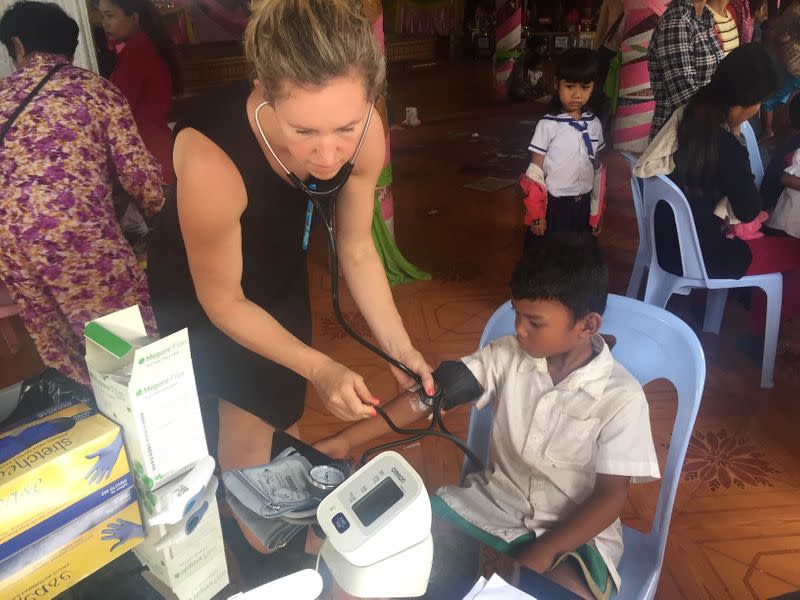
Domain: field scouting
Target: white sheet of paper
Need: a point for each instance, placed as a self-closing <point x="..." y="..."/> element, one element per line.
<point x="498" y="589"/>
<point x="476" y="589"/>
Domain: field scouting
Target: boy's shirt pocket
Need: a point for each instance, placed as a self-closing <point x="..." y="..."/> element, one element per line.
<point x="573" y="442"/>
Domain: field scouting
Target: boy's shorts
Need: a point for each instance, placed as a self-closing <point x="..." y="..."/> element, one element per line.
<point x="592" y="566"/>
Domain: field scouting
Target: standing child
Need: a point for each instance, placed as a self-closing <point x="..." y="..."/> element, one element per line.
<point x="564" y="180"/>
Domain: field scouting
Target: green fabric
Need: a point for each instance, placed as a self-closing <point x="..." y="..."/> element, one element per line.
<point x="594" y="569"/>
<point x="611" y="87"/>
<point x="443" y="511"/>
<point x="592" y="565"/>
<point x="385" y="178"/>
<point x="507" y="55"/>
<point x="398" y="269"/>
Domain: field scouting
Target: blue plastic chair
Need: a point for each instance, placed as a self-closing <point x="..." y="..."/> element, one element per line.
<point x="652" y="344"/>
<point x="661" y="284"/>
<point x="643" y="251"/>
<point x="756" y="166"/>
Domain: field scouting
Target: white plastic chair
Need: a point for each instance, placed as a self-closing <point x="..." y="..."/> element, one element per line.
<point x="756" y="166"/>
<point x="9" y="400"/>
<point x="643" y="251"/>
<point x="7" y="309"/>
<point x="661" y="284"/>
<point x="652" y="344"/>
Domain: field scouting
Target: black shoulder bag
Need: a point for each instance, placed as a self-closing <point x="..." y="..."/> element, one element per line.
<point x="27" y="101"/>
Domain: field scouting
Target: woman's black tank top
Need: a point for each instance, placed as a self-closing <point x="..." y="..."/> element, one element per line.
<point x="274" y="274"/>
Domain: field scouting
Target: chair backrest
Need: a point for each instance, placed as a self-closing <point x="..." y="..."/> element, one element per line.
<point x="651" y="344"/>
<point x="756" y="166"/>
<point x="656" y="189"/>
<point x="636" y="192"/>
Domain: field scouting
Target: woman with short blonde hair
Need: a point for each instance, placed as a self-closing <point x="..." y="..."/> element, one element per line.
<point x="229" y="260"/>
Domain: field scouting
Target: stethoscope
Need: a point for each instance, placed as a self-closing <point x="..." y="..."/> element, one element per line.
<point x="313" y="191"/>
<point x="331" y="190"/>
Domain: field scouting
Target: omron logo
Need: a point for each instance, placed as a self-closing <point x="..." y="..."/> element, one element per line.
<point x="396" y="471"/>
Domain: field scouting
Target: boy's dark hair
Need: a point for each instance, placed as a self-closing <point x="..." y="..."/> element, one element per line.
<point x="794" y="111"/>
<point x="41" y="27"/>
<point x="567" y="268"/>
<point x="575" y="65"/>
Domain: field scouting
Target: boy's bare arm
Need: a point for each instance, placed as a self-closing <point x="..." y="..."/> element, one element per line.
<point x="403" y="410"/>
<point x="599" y="511"/>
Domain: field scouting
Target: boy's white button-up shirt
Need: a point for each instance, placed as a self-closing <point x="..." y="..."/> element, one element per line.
<point x="549" y="442"/>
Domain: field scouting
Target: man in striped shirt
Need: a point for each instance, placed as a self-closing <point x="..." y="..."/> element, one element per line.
<point x="725" y="25"/>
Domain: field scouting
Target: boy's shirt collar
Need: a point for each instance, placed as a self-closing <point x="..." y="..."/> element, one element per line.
<point x="591" y="377"/>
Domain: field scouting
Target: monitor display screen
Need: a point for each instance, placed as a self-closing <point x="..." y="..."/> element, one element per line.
<point x="377" y="501"/>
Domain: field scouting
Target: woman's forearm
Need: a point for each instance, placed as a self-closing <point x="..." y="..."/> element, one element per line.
<point x="254" y="328"/>
<point x="367" y="281"/>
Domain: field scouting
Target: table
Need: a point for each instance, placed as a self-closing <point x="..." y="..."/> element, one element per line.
<point x="457" y="565"/>
<point x="458" y="559"/>
<point x="458" y="562"/>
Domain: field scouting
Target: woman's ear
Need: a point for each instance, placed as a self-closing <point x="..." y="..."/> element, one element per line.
<point x="257" y="85"/>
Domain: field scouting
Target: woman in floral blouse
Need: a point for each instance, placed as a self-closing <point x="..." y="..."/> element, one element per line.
<point x="62" y="254"/>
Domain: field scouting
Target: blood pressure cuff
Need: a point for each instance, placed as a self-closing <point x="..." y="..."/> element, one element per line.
<point x="456" y="383"/>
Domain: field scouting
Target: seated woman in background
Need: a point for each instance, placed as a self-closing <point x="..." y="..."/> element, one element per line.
<point x="712" y="162"/>
<point x="146" y="71"/>
<point x="62" y="254"/>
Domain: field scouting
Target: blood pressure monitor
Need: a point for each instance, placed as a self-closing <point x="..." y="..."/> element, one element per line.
<point x="379" y="511"/>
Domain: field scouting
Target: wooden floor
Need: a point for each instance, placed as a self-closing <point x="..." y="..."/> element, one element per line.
<point x="736" y="522"/>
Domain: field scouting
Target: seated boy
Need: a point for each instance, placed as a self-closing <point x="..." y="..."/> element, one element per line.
<point x="571" y="428"/>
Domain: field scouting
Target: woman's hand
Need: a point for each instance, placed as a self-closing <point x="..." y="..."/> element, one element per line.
<point x="414" y="361"/>
<point x="343" y="392"/>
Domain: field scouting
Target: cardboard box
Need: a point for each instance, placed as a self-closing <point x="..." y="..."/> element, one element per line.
<point x="157" y="406"/>
<point x="67" y="501"/>
<point x="201" y="588"/>
<point x="193" y="568"/>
